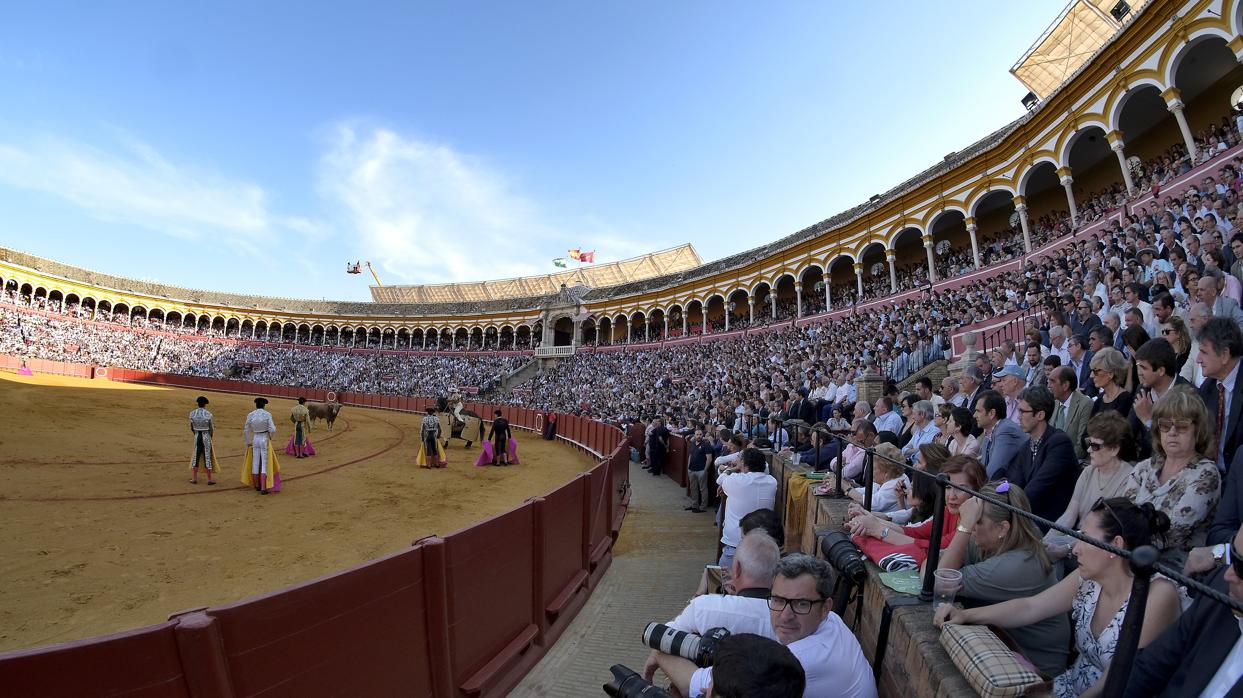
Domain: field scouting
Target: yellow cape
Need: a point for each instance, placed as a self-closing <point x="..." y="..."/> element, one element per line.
<point x="274" y="467"/>
<point x="215" y="462"/>
<point x="440" y="454"/>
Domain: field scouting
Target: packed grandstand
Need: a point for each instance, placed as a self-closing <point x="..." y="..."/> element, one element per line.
<point x="1116" y="203"/>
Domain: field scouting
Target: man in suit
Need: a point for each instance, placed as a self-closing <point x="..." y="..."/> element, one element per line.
<point x="972" y="382"/>
<point x="1210" y="289"/>
<point x="1047" y="469"/>
<point x="985" y="366"/>
<point x="1082" y="322"/>
<point x="1071" y="409"/>
<point x="1157" y="366"/>
<point x="802" y="408"/>
<point x="1002" y="439"/>
<point x="1201" y="654"/>
<point x="1226" y="522"/>
<point x="1221" y="346"/>
<point x="1080" y="363"/>
<point x="1033" y="367"/>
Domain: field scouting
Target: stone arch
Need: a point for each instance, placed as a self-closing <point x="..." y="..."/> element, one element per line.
<point x="1121" y="97"/>
<point x="1083" y="126"/>
<point x="898" y="232"/>
<point x="1195" y="39"/>
<point x="1037" y="166"/>
<point x="992" y="193"/>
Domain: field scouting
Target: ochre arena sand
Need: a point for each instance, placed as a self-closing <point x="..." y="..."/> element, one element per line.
<point x="102" y="530"/>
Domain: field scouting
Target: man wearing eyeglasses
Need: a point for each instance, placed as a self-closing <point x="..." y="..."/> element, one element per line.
<point x="799" y="617"/>
<point x="1047" y="469"/>
<point x="1202" y="654"/>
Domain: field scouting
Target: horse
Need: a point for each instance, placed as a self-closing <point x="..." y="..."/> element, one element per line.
<point x="326" y="411"/>
<point x="465" y="430"/>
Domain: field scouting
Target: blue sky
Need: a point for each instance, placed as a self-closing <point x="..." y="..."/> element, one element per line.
<point x="247" y="147"/>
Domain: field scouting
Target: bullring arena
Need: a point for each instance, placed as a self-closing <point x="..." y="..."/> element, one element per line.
<point x="1105" y="217"/>
<point x="104" y="532"/>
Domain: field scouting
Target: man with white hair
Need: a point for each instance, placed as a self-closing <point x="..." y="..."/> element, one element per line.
<point x="923" y="431"/>
<point x="1057" y="344"/>
<point x="951" y="392"/>
<point x="1210" y="290"/>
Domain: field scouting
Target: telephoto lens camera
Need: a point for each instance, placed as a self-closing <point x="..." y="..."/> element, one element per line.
<point x="628" y="683"/>
<point x="845" y="557"/>
<point x="698" y="649"/>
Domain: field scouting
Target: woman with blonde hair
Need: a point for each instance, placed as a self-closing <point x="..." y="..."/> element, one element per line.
<point x="1180" y="479"/>
<point x="1002" y="557"/>
<point x="1110" y="370"/>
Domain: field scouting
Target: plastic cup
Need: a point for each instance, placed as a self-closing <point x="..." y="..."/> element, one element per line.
<point x="945" y="586"/>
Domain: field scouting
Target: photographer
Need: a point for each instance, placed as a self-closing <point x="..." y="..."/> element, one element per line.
<point x="744" y="611"/>
<point x="798" y="617"/>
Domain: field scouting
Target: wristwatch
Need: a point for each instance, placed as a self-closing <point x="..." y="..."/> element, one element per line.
<point x="1219" y="552"/>
<point x="884" y="533"/>
<point x="963" y="529"/>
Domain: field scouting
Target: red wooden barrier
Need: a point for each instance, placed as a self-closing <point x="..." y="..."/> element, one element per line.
<point x="675" y="460"/>
<point x="562" y="556"/>
<point x="634" y="433"/>
<point x="490" y="633"/>
<point x="290" y="642"/>
<point x="141" y="662"/>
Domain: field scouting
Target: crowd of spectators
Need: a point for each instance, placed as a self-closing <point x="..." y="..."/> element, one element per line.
<point x="1129" y="361"/>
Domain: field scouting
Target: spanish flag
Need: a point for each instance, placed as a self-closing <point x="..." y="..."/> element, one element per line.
<point x="574" y="255"/>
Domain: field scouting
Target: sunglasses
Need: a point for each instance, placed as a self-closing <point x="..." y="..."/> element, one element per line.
<point x="1104" y="503"/>
<point x="1235" y="560"/>
<point x="1095" y="445"/>
<point x="1178" y="426"/>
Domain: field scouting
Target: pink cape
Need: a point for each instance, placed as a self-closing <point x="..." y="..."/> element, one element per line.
<point x="307" y="448"/>
<point x="485" y="453"/>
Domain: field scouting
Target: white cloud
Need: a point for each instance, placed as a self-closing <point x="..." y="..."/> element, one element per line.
<point x="428" y="214"/>
<point x="136" y="185"/>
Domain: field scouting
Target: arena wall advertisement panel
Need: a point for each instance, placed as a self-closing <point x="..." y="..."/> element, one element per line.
<point x="427" y="621"/>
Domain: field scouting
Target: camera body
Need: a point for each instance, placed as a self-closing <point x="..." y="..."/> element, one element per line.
<point x="628" y="683"/>
<point x="700" y="649"/>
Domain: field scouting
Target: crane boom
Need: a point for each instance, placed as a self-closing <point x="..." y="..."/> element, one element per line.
<point x="374" y="275"/>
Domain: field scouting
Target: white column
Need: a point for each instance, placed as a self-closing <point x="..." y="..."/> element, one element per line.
<point x="751" y="310"/>
<point x="1020" y="206"/>
<point x="891" y="257"/>
<point x="725" y="307"/>
<point x="1066" y="180"/>
<point x="932" y="268"/>
<point x="798" y="299"/>
<point x="1116" y="145"/>
<point x="972" y="229"/>
<point x="772" y="298"/>
<point x="828" y="293"/>
<point x="685" y="313"/>
<point x="859" y="278"/>
<point x="666" y="334"/>
<point x="1174" y="102"/>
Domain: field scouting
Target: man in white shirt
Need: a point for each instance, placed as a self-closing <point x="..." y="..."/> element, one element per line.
<point x="1057" y="344"/>
<point x="746" y="491"/>
<point x="800" y="618"/>
<point x="264" y="471"/>
<point x="745" y="610"/>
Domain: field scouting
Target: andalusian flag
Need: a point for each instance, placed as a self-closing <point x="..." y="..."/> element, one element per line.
<point x="574" y="254"/>
<point x="559" y="262"/>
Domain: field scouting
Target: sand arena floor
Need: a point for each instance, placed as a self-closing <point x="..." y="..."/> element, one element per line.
<point x="104" y="532"/>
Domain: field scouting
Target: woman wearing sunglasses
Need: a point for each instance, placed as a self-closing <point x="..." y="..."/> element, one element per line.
<point x="1096" y="595"/>
<point x="1180" y="479"/>
<point x="1107" y="475"/>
